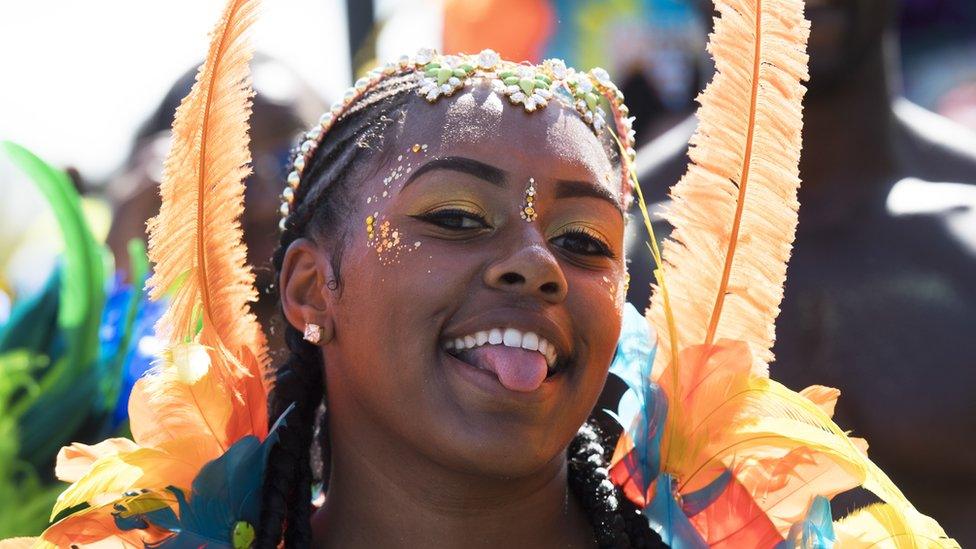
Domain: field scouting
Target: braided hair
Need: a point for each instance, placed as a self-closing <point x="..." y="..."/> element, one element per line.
<point x="302" y="454"/>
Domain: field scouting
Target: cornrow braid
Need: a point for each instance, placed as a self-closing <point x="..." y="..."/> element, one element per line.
<point x="317" y="209"/>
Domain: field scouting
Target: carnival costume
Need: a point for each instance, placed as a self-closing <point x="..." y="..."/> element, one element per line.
<point x="715" y="453"/>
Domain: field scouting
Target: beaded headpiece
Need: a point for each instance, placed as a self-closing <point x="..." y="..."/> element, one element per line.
<point x="591" y="94"/>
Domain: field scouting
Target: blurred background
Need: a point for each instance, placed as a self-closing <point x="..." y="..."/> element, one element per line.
<point x="880" y="302"/>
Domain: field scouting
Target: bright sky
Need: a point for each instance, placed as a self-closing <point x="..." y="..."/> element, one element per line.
<point x="77" y="78"/>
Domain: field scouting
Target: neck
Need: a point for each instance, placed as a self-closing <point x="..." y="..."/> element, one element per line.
<point x="850" y="128"/>
<point x="398" y="498"/>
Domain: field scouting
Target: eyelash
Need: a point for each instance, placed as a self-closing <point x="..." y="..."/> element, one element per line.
<point x="439" y="218"/>
<point x="578" y="232"/>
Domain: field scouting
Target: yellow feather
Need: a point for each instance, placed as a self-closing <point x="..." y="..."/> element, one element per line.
<point x="734" y="211"/>
<point x="196" y="240"/>
<point x="879" y="526"/>
<point x="171" y="464"/>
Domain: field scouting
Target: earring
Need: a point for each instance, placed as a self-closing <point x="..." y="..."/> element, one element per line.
<point x="528" y="212"/>
<point x="313" y="333"/>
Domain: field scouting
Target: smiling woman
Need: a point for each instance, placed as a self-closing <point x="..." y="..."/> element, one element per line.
<point x="463" y="344"/>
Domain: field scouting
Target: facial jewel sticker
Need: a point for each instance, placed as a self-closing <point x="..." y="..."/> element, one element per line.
<point x="528" y="212"/>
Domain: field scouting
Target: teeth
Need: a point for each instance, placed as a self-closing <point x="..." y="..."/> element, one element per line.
<point x="509" y="337"/>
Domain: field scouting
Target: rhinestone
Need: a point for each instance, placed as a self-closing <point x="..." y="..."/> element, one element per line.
<point x="588" y="116"/>
<point x="337" y="108"/>
<point x="284" y="209"/>
<point x="601" y="76"/>
<point x="488" y="58"/>
<point x="299" y="163"/>
<point x="454" y="81"/>
<point x="446" y="88"/>
<point x="624" y="110"/>
<point x="361" y="84"/>
<point x="293" y="180"/>
<point x="389" y="68"/>
<point x="425" y="55"/>
<point x="631" y="154"/>
<point x="529" y="104"/>
<point x="349" y="95"/>
<point x="557" y="67"/>
<point x="283" y="224"/>
<point x="314" y="134"/>
<point x="307" y="147"/>
<point x="517" y="97"/>
<point x="404" y="61"/>
<point x="598" y="122"/>
<point x="432" y="96"/>
<point x="585" y="85"/>
<point x="288" y="195"/>
<point x="612" y="502"/>
<point x="326" y="119"/>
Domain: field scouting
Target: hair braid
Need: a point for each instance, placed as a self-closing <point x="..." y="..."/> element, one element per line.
<point x="300" y="380"/>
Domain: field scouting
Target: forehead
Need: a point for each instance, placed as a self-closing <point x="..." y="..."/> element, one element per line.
<point x="551" y="142"/>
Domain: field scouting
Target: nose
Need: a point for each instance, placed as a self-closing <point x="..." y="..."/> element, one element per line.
<point x="533" y="271"/>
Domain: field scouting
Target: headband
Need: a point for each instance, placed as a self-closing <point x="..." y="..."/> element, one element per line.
<point x="533" y="87"/>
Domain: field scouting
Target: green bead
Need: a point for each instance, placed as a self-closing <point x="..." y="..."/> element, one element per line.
<point x="544" y="79"/>
<point x="510" y="80"/>
<point x="431" y="73"/>
<point x="467" y="68"/>
<point x="505" y="74"/>
<point x="432" y="65"/>
<point x="592" y="101"/>
<point x="527" y="85"/>
<point x="443" y="75"/>
<point x="460" y="73"/>
<point x="243" y="535"/>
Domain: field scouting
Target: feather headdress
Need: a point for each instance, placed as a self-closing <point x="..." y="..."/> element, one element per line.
<point x="740" y="460"/>
<point x="205" y="396"/>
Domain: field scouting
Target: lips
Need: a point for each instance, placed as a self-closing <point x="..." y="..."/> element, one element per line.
<point x="521" y="360"/>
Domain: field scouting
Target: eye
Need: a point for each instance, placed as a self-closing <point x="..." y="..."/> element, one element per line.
<point x="580" y="241"/>
<point x="455" y="219"/>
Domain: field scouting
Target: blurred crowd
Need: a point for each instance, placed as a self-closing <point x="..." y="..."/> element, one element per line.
<point x="879" y="300"/>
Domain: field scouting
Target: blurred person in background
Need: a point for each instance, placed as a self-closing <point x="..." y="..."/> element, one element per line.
<point x="283" y="107"/>
<point x="879" y="300"/>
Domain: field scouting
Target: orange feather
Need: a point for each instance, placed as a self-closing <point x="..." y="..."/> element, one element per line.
<point x="196" y="240"/>
<point x="734" y="211"/>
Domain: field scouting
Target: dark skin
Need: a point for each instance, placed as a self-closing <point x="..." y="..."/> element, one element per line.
<point x="879" y="299"/>
<point x="456" y="459"/>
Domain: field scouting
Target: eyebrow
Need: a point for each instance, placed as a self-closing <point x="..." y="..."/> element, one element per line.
<point x="496" y="176"/>
<point x="583" y="189"/>
<point x="485" y="172"/>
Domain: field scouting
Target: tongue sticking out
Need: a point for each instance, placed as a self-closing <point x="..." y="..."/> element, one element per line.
<point x="517" y="369"/>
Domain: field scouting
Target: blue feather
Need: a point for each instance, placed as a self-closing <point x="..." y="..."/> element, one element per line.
<point x="644" y="407"/>
<point x="669" y="520"/>
<point x="816" y="531"/>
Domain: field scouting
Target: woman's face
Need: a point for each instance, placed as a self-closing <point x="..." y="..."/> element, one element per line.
<point x="436" y="251"/>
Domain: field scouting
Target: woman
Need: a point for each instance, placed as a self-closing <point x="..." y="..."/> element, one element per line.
<point x="452" y="273"/>
<point x="408" y="246"/>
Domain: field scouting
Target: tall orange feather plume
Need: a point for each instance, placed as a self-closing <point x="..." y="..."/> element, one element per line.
<point x="196" y="240"/>
<point x="207" y="389"/>
<point x="735" y="210"/>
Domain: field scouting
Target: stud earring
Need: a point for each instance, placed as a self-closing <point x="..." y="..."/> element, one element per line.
<point x="528" y="212"/>
<point x="313" y="333"/>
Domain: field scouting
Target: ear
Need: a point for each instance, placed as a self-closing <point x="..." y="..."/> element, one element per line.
<point x="306" y="297"/>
